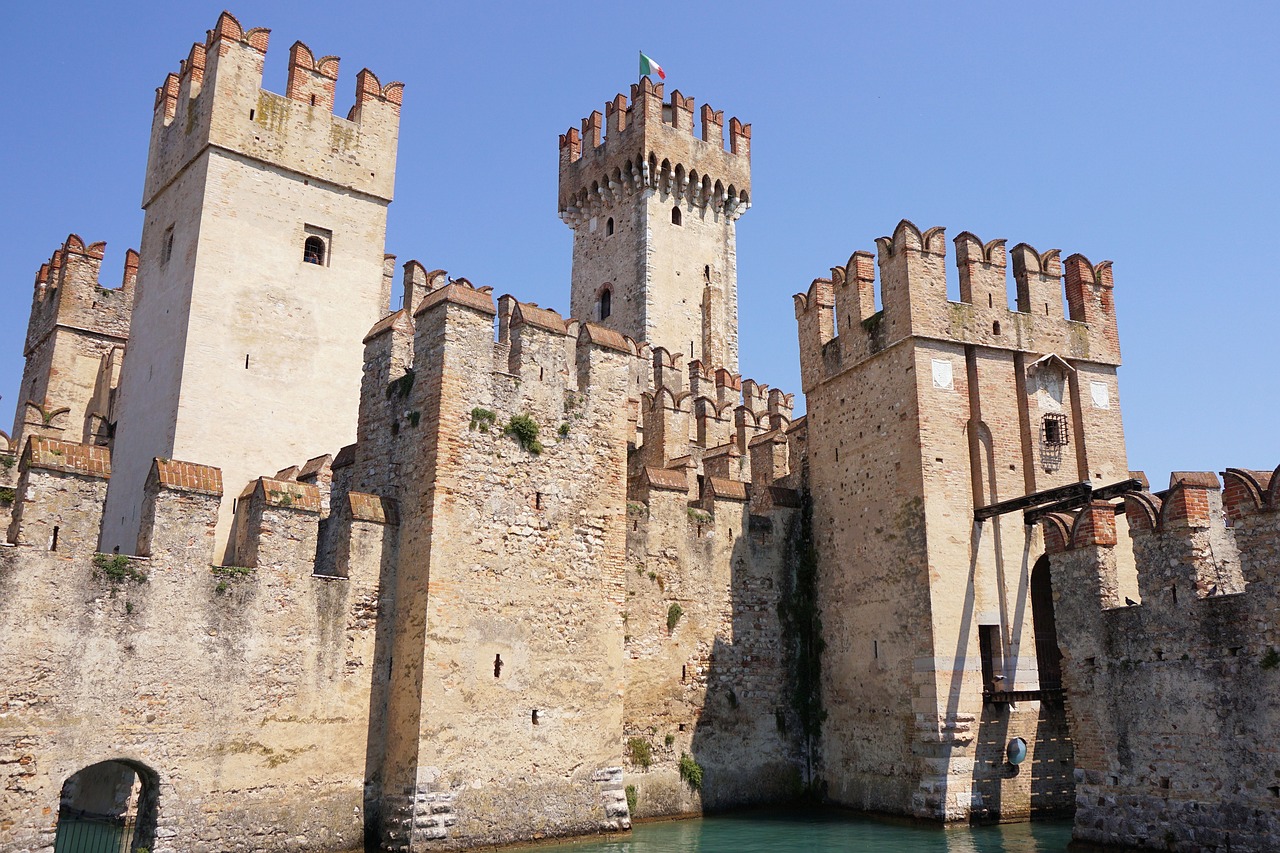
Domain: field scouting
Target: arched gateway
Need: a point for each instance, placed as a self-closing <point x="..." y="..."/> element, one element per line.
<point x="108" y="807"/>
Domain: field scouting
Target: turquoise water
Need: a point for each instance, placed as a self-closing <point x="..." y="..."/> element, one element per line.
<point x="814" y="832"/>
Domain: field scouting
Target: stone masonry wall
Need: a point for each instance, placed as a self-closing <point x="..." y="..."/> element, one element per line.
<point x="506" y="697"/>
<point x="706" y="660"/>
<point x="1172" y="701"/>
<point x="241" y="695"/>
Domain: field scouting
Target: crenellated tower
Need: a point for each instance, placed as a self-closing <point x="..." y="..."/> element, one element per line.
<point x="262" y="259"/>
<point x="923" y="418"/>
<point x="75" y="343"/>
<point x="653" y="208"/>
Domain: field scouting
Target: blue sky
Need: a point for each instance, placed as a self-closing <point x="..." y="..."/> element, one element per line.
<point x="1143" y="133"/>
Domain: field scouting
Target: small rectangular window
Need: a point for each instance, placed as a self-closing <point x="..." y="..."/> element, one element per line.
<point x="166" y="250"/>
<point x="992" y="658"/>
<point x="1054" y="430"/>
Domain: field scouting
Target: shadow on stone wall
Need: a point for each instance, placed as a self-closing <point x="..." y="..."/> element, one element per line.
<point x="748" y="739"/>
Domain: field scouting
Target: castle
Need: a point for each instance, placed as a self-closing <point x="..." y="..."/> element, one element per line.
<point x="525" y="575"/>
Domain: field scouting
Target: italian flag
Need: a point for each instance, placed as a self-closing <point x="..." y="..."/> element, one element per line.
<point x="648" y="66"/>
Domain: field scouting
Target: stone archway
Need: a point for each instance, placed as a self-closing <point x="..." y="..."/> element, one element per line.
<point x="1048" y="657"/>
<point x="108" y="807"/>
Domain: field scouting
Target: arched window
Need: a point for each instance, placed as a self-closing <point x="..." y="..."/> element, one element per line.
<point x="608" y="227"/>
<point x="675" y="216"/>
<point x="606" y="303"/>
<point x="313" y="251"/>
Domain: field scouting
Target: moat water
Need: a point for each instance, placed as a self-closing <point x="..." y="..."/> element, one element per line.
<point x="820" y="831"/>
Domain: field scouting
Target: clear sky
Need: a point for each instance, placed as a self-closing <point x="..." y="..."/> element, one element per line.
<point x="1143" y="133"/>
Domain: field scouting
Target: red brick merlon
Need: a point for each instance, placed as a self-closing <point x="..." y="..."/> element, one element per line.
<point x="722" y="489"/>
<point x="346" y="456"/>
<point x="187" y="477"/>
<point x="373" y="508"/>
<point x="395" y="320"/>
<point x="285" y="494"/>
<point x="460" y="292"/>
<point x="543" y="318"/>
<point x="666" y="479"/>
<point x="1093" y="525"/>
<point x="1247" y="491"/>
<point x="1185" y="505"/>
<point x="50" y="454"/>
<point x="607" y="338"/>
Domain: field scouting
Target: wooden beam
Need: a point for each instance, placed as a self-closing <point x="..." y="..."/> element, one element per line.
<point x="1061" y="493"/>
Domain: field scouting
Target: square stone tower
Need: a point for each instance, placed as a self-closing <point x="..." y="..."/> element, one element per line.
<point x="262" y="268"/>
<point x="938" y="623"/>
<point x="653" y="210"/>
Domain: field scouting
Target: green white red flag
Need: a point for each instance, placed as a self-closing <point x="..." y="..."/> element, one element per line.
<point x="648" y="66"/>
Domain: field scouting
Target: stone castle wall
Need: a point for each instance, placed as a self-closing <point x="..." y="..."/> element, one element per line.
<point x="1172" y="700"/>
<point x="240" y="694"/>
<point x="450" y="637"/>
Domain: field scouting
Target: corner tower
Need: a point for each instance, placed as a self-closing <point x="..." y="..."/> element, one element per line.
<point x="653" y="211"/>
<point x="262" y="267"/>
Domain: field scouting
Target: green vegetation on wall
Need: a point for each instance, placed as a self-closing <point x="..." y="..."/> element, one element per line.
<point x="117" y="568"/>
<point x="640" y="751"/>
<point x="802" y="629"/>
<point x="525" y="431"/>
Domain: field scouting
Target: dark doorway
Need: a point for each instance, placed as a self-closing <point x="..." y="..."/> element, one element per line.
<point x="1048" y="657"/>
<point x="109" y="807"/>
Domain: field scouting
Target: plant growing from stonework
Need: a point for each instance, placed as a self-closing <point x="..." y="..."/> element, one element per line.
<point x="6" y="461"/>
<point x="631" y="799"/>
<point x="525" y="430"/>
<point x="226" y="574"/>
<point x="690" y="771"/>
<point x="402" y="386"/>
<point x="801" y="625"/>
<point x="8" y="496"/>
<point x="50" y="415"/>
<point x="669" y="739"/>
<point x="698" y="516"/>
<point x="117" y="568"/>
<point x="564" y="429"/>
<point x="640" y="751"/>
<point x="482" y="419"/>
<point x="674" y="612"/>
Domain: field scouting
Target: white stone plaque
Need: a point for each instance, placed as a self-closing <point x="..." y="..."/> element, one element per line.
<point x="1101" y="395"/>
<point x="942" y="374"/>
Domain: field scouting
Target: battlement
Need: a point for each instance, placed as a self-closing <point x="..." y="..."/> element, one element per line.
<point x="68" y="291"/>
<point x="840" y="326"/>
<point x="215" y="99"/>
<point x="649" y="144"/>
<point x="537" y="363"/>
<point x="1135" y="672"/>
<point x="1191" y="542"/>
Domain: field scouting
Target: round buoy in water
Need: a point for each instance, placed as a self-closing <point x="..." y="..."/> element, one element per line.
<point x="1017" y="751"/>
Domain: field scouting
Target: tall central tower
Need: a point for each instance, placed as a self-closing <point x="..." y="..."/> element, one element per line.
<point x="653" y="211"/>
